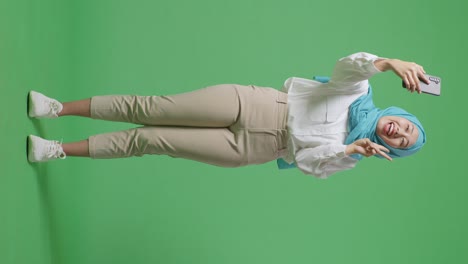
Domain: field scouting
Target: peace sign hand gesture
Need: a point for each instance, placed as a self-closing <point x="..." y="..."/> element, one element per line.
<point x="367" y="148"/>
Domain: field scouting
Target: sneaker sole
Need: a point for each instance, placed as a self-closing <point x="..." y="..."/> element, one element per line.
<point x="27" y="148"/>
<point x="29" y="103"/>
<point x="30" y="152"/>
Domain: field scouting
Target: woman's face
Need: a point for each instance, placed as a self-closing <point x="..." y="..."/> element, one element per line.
<point x="397" y="132"/>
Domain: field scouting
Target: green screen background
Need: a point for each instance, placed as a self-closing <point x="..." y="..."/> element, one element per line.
<point x="158" y="209"/>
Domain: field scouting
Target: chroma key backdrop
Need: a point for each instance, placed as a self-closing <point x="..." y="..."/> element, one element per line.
<point x="158" y="209"/>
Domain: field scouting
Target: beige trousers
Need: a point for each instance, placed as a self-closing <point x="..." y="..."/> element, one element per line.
<point x="225" y="125"/>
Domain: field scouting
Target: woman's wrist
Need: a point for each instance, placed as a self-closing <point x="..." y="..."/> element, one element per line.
<point x="349" y="149"/>
<point x="383" y="64"/>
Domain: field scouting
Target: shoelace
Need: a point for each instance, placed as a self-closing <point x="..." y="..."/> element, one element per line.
<point x="55" y="150"/>
<point x="54" y="107"/>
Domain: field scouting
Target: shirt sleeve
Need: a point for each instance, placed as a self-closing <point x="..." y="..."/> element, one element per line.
<point x="323" y="161"/>
<point x="353" y="71"/>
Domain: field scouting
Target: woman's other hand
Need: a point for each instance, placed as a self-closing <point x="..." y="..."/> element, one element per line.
<point x="366" y="147"/>
<point x="409" y="72"/>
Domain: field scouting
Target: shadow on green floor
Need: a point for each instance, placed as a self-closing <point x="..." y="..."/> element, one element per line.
<point x="38" y="127"/>
<point x="48" y="211"/>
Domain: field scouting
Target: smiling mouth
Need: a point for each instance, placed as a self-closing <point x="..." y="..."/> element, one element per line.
<point x="390" y="129"/>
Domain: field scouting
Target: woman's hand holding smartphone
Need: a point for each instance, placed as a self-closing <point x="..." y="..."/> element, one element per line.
<point x="433" y="87"/>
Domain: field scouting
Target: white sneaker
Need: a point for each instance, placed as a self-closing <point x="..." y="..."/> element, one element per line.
<point x="40" y="150"/>
<point x="41" y="106"/>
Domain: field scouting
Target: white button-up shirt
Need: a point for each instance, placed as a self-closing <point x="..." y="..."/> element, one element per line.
<point x="318" y="115"/>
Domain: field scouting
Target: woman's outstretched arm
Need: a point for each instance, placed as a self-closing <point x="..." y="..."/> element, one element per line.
<point x="409" y="72"/>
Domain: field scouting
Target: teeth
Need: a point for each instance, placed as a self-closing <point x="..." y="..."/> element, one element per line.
<point x="390" y="129"/>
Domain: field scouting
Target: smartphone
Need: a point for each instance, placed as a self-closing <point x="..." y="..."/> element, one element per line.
<point x="432" y="88"/>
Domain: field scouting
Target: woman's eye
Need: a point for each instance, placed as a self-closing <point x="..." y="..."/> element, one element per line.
<point x="402" y="141"/>
<point x="407" y="129"/>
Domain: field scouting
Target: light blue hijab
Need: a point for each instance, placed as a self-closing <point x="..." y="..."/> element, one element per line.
<point x="362" y="123"/>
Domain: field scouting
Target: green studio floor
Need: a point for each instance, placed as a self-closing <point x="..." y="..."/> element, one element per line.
<point x="164" y="210"/>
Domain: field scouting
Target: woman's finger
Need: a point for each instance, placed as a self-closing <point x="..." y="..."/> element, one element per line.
<point x="416" y="80"/>
<point x="366" y="151"/>
<point x="383" y="154"/>
<point x="367" y="142"/>
<point x="381" y="151"/>
<point x="423" y="77"/>
<point x="407" y="83"/>
<point x="381" y="148"/>
<point x="411" y="83"/>
<point x="384" y="149"/>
